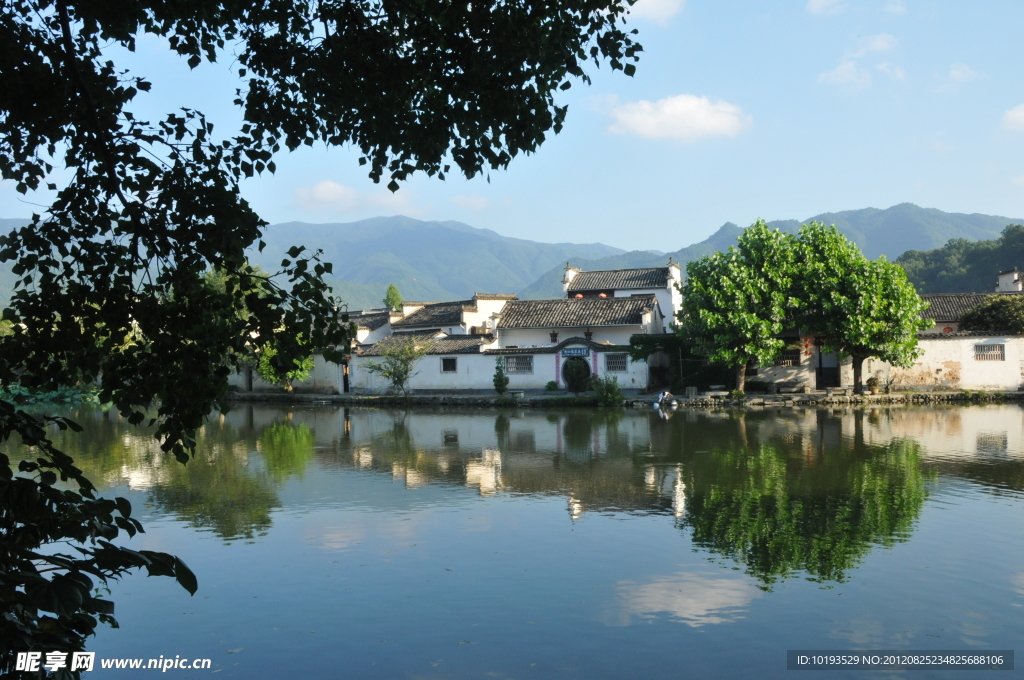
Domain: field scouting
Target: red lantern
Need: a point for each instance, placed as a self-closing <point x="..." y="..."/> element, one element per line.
<point x="579" y="296"/>
<point x="602" y="296"/>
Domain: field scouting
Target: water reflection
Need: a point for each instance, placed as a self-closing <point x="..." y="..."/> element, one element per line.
<point x="776" y="493"/>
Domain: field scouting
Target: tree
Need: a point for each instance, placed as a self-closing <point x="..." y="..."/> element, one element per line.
<point x="399" y="356"/>
<point x="997" y="313"/>
<point x="858" y="307"/>
<point x="736" y="303"/>
<point x="392" y="298"/>
<point x="110" y="276"/>
<point x="500" y="378"/>
<point x="273" y="372"/>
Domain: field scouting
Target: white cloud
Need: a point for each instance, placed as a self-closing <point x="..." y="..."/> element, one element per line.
<point x="1014" y="119"/>
<point x="474" y="202"/>
<point x="684" y="117"/>
<point x="1019" y="181"/>
<point x="825" y="6"/>
<point x="962" y="73"/>
<point x="328" y="196"/>
<point x="694" y="599"/>
<point x="894" y="72"/>
<point x="847" y="75"/>
<point x="874" y="43"/>
<point x="896" y="7"/>
<point x="656" y="10"/>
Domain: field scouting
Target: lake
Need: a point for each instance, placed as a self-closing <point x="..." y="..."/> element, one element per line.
<point x="358" y="543"/>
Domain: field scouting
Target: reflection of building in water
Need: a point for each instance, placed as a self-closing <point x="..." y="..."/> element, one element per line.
<point x="485" y="474"/>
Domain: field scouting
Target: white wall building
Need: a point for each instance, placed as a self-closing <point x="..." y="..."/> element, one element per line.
<point x="662" y="282"/>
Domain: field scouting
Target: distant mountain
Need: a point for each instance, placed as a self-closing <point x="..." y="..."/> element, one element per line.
<point x="426" y="260"/>
<point x="888" y="232"/>
<point x="963" y="266"/>
<point x="451" y="260"/>
<point x="550" y="284"/>
<point x="904" y="227"/>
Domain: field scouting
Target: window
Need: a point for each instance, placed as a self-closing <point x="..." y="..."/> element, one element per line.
<point x="789" y="357"/>
<point x="990" y="352"/>
<point x="519" y="364"/>
<point x="615" y="363"/>
<point x="448" y="365"/>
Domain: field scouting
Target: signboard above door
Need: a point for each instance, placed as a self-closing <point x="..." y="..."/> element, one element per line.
<point x="576" y="352"/>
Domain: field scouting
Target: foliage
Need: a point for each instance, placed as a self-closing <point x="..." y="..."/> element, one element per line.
<point x="47" y="593"/>
<point x="736" y="303"/>
<point x="552" y="386"/>
<point x="78" y="394"/>
<point x="110" y="276"/>
<point x="500" y="378"/>
<point x="6" y="327"/>
<point x="608" y="391"/>
<point x="858" y="307"/>
<point x="997" y="313"/>
<point x="399" y="357"/>
<point x="270" y="369"/>
<point x="392" y="298"/>
<point x="576" y="374"/>
<point x="964" y="265"/>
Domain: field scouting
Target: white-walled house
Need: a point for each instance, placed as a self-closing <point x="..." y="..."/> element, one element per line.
<point x="662" y="282"/>
<point x="950" y="359"/>
<point x="533" y="338"/>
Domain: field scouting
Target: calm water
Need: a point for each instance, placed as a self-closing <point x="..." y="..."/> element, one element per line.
<point x="354" y="543"/>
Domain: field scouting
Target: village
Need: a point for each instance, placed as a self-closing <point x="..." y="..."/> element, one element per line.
<point x="602" y="312"/>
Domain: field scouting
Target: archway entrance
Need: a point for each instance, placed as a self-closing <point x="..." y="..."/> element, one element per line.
<point x="576" y="369"/>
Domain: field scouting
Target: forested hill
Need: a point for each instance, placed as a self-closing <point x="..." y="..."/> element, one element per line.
<point x="888" y="232"/>
<point x="451" y="260"/>
<point x="963" y="266"/>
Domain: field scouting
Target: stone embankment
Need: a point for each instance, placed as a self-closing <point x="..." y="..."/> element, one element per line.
<point x="803" y="400"/>
<point x="822" y="399"/>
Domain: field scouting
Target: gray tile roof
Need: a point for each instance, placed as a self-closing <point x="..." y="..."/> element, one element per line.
<point x="951" y="307"/>
<point x="452" y="344"/>
<point x="554" y="349"/>
<point x="561" y="313"/>
<point x="370" y="320"/>
<point x="495" y="296"/>
<point x="437" y="314"/>
<point x="651" y="277"/>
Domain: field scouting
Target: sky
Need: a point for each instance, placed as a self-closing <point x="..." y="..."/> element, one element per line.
<point x="738" y="110"/>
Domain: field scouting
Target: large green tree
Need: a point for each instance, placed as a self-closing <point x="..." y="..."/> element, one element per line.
<point x="111" y="285"/>
<point x="858" y="307"/>
<point x="393" y="298"/>
<point x="736" y="303"/>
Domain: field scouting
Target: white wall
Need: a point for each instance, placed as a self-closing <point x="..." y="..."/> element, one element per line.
<point x="476" y="372"/>
<point x="949" y="363"/>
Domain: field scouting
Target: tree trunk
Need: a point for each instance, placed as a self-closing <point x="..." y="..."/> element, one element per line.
<point x="858" y="365"/>
<point x="741" y="377"/>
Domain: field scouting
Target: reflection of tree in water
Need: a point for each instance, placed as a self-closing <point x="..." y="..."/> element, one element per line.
<point x="578" y="434"/>
<point x="218" y="490"/>
<point x="777" y="516"/>
<point x="287" y="449"/>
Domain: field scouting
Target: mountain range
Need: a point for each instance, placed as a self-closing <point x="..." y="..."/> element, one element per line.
<point x="451" y="260"/>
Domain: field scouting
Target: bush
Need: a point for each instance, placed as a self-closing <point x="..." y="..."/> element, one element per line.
<point x="500" y="378"/>
<point x="737" y="394"/>
<point x="552" y="386"/>
<point x="608" y="391"/>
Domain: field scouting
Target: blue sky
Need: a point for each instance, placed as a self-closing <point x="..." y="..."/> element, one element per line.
<point x="738" y="110"/>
